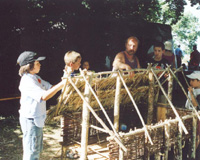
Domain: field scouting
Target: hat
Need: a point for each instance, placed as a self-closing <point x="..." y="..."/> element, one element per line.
<point x="194" y="75"/>
<point x="168" y="45"/>
<point x="27" y="57"/>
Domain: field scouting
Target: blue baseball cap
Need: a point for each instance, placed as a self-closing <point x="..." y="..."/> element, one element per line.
<point x="27" y="57"/>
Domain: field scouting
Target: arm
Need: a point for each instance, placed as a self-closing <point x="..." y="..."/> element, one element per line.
<point x="52" y="91"/>
<point x="119" y="62"/>
<point x="193" y="99"/>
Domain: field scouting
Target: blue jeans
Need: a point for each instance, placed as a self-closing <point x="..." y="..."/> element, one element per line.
<point x="32" y="139"/>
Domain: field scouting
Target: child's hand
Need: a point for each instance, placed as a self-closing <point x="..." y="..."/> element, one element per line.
<point x="67" y="71"/>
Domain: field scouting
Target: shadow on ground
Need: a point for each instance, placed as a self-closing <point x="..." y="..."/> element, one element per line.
<point x="11" y="140"/>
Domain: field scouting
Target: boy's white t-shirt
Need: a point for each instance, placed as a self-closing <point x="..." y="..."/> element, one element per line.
<point x="32" y="88"/>
<point x="196" y="92"/>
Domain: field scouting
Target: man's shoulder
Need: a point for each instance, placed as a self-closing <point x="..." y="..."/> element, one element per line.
<point x="120" y="53"/>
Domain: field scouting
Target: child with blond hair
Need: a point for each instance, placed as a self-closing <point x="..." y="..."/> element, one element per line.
<point x="72" y="62"/>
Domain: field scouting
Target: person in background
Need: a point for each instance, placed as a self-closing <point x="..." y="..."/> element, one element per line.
<point x="169" y="55"/>
<point x="194" y="59"/>
<point x="194" y="95"/>
<point x="157" y="60"/>
<point x="86" y="65"/>
<point x="179" y="55"/>
<point x="34" y="93"/>
<point x="127" y="60"/>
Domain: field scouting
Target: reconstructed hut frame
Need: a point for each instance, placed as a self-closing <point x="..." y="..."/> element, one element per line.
<point x="94" y="92"/>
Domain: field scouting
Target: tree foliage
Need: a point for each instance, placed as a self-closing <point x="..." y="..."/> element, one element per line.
<point x="98" y="27"/>
<point x="186" y="31"/>
<point x="172" y="11"/>
<point x="194" y="2"/>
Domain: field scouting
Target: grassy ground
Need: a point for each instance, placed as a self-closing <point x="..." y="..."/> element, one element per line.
<point x="11" y="140"/>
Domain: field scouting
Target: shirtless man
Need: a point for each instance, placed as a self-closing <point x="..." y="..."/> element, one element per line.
<point x="127" y="60"/>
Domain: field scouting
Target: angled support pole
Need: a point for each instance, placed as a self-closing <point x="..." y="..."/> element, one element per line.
<point x="138" y="112"/>
<point x="195" y="111"/>
<point x="170" y="103"/>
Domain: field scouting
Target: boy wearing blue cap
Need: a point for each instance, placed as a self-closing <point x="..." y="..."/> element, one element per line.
<point x="34" y="94"/>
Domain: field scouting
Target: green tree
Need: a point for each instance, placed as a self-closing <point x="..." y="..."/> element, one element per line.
<point x="172" y="10"/>
<point x="186" y="32"/>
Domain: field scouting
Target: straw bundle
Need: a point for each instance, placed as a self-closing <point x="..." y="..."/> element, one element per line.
<point x="69" y="101"/>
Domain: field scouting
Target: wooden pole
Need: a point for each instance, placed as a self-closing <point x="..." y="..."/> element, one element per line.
<point x="11" y="98"/>
<point x="61" y="96"/>
<point x="180" y="154"/>
<point x="172" y="106"/>
<point x="156" y="126"/>
<point x="170" y="86"/>
<point x="98" y="128"/>
<point x="177" y="70"/>
<point x="121" y="154"/>
<point x="62" y="139"/>
<point x="194" y="136"/>
<point x="117" y="104"/>
<point x="134" y="104"/>
<point x="97" y="117"/>
<point x="117" y="111"/>
<point x="85" y="122"/>
<point x="150" y="99"/>
<point x="167" y="140"/>
<point x="146" y="152"/>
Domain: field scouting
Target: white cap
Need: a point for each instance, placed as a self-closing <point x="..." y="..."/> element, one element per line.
<point x="168" y="45"/>
<point x="194" y="75"/>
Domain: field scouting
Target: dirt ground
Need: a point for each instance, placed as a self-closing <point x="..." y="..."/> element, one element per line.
<point x="11" y="140"/>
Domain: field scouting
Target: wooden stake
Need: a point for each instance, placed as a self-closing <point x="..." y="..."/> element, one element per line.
<point x="167" y="140"/>
<point x="117" y="104"/>
<point x="194" y="137"/>
<point x="150" y="99"/>
<point x="180" y="154"/>
<point x="85" y="122"/>
<point x="170" y="86"/>
<point x="117" y="111"/>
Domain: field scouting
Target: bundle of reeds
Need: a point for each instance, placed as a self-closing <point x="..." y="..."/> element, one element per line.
<point x="70" y="101"/>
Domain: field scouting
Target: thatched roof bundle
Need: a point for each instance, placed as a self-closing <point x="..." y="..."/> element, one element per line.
<point x="70" y="101"/>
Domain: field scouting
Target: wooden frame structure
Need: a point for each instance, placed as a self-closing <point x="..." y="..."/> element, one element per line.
<point x="114" y="135"/>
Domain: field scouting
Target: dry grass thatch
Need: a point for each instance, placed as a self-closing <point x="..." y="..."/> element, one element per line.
<point x="70" y="101"/>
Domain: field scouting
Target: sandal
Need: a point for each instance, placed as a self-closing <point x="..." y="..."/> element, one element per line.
<point x="71" y="155"/>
